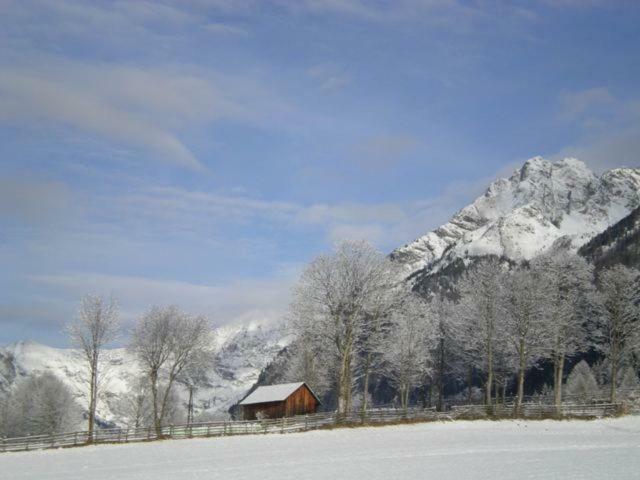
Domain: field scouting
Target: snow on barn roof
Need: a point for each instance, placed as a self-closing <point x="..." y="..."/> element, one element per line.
<point x="273" y="393"/>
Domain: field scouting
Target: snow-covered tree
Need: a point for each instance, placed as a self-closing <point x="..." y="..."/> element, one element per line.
<point x="166" y="341"/>
<point x="310" y="365"/>
<point x="480" y="310"/>
<point x="134" y="406"/>
<point x="581" y="382"/>
<point x="96" y="325"/>
<point x="194" y="376"/>
<point x="620" y="317"/>
<point x="41" y="404"/>
<point x="376" y="325"/>
<point x="524" y="325"/>
<point x="330" y="305"/>
<point x="409" y="343"/>
<point x="567" y="282"/>
<point x="445" y="357"/>
<point x="629" y="381"/>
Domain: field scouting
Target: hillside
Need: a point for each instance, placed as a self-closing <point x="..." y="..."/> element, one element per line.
<point x="620" y="243"/>
<point x="241" y="353"/>
<point x="589" y="450"/>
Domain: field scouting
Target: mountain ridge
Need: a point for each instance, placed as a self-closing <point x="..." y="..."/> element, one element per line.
<point x="521" y="216"/>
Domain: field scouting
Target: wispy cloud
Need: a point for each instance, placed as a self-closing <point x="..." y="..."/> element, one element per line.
<point x="143" y="108"/>
<point x="264" y="300"/>
<point x="217" y="28"/>
<point x="36" y="202"/>
<point x="329" y="78"/>
<point x="574" y="105"/>
<point x="384" y="150"/>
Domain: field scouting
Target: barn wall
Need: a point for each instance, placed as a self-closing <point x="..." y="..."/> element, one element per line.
<point x="299" y="402"/>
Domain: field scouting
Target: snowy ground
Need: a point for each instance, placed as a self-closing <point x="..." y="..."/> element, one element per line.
<point x="603" y="449"/>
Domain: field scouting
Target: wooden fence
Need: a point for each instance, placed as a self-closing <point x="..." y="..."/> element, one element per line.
<point x="298" y="424"/>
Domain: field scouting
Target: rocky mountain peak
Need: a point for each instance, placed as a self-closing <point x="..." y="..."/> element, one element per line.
<point x="523" y="215"/>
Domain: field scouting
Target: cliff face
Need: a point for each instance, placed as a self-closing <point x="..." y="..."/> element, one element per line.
<point x="524" y="215"/>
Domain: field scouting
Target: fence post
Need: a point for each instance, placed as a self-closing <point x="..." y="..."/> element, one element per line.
<point x="4" y="444"/>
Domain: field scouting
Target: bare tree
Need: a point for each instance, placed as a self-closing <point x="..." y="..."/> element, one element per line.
<point x="309" y="364"/>
<point x="40" y="405"/>
<point x="329" y="307"/>
<point x="165" y="341"/>
<point x="376" y="325"/>
<point x="96" y="325"/>
<point x="525" y="325"/>
<point x="134" y="406"/>
<point x="445" y="359"/>
<point x="194" y="375"/>
<point x="480" y="305"/>
<point x="620" y="320"/>
<point x="408" y="346"/>
<point x="567" y="280"/>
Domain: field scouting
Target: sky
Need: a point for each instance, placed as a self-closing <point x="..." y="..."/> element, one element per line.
<point x="201" y="152"/>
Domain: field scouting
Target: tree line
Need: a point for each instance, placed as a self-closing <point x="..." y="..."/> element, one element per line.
<point x="353" y="317"/>
<point x="170" y="346"/>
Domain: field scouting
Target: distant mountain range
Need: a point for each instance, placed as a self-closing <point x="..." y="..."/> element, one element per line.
<point x="241" y="353"/>
<point x="540" y="206"/>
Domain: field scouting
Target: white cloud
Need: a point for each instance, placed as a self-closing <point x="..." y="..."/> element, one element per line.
<point x="610" y="128"/>
<point x="384" y="150"/>
<point x="574" y="105"/>
<point x="329" y="78"/>
<point x="240" y="300"/>
<point x="225" y="29"/>
<point x="34" y="202"/>
<point x="143" y="108"/>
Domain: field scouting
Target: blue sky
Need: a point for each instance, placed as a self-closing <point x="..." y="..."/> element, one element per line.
<point x="200" y="152"/>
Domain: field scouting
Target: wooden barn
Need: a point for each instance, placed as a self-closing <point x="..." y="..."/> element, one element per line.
<point x="275" y="401"/>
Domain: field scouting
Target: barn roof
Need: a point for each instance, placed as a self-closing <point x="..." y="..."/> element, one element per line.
<point x="274" y="393"/>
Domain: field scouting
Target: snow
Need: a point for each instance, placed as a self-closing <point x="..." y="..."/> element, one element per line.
<point x="482" y="450"/>
<point x="241" y="351"/>
<point x="522" y="216"/>
<point x="271" y="393"/>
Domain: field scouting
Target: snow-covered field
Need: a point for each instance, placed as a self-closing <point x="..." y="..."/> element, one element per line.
<point x="603" y="449"/>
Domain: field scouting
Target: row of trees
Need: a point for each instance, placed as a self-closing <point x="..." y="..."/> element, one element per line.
<point x="353" y="317"/>
<point x="169" y="345"/>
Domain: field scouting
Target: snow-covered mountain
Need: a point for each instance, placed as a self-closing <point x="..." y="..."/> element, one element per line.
<point x="242" y="352"/>
<point x="522" y="216"/>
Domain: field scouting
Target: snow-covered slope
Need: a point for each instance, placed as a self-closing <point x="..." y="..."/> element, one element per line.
<point x="523" y="215"/>
<point x="242" y="351"/>
<point x="482" y="450"/>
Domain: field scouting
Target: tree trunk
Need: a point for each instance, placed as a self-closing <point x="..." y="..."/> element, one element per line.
<point x="469" y="384"/>
<point x="489" y="384"/>
<point x="504" y="393"/>
<point x="365" y="386"/>
<point x="93" y="387"/>
<point x="157" y="422"/>
<point x="440" y="377"/>
<point x="614" y="372"/>
<point x="558" y="371"/>
<point x="190" y="406"/>
<point x="521" y="370"/>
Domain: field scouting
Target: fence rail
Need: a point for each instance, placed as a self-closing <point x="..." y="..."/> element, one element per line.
<point x="299" y="423"/>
